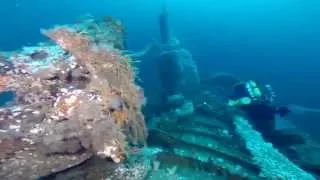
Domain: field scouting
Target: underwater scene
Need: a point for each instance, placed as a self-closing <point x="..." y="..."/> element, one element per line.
<point x="159" y="90"/>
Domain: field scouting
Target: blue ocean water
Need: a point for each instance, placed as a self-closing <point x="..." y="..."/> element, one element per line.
<point x="6" y="97"/>
<point x="276" y="42"/>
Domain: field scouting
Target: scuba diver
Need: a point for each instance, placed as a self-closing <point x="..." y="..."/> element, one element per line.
<point x="258" y="104"/>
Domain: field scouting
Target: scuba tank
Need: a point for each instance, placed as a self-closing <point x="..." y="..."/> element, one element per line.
<point x="253" y="90"/>
<point x="254" y="94"/>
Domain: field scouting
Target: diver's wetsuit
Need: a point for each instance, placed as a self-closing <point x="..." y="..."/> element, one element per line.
<point x="261" y="117"/>
<point x="261" y="113"/>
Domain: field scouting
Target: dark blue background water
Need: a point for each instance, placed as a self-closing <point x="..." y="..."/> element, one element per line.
<point x="275" y="41"/>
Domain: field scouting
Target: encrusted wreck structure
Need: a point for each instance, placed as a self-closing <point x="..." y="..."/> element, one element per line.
<point x="218" y="142"/>
<point x="71" y="109"/>
<point x="72" y="100"/>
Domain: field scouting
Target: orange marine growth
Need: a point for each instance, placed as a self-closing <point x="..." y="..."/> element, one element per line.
<point x="121" y="117"/>
<point x="3" y="82"/>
